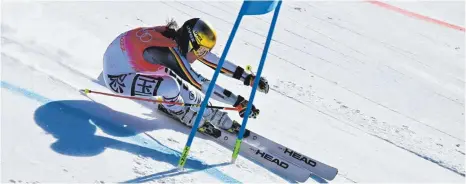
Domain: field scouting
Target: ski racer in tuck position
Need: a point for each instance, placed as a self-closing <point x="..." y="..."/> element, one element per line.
<point x="155" y="62"/>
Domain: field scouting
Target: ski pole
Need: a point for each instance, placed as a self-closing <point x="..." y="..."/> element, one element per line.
<point x="87" y="91"/>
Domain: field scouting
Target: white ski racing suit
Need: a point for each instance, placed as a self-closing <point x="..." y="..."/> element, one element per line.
<point x="142" y="62"/>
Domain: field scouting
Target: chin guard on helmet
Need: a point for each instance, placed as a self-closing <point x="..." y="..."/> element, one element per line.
<point x="201" y="51"/>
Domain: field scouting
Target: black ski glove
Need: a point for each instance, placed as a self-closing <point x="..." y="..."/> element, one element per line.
<point x="242" y="104"/>
<point x="263" y="83"/>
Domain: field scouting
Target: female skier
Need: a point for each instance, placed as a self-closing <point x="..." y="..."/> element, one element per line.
<point x="155" y="62"/>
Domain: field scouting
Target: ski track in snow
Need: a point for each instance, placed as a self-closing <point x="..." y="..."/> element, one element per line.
<point x="427" y="147"/>
<point x="365" y="36"/>
<point x="430" y="148"/>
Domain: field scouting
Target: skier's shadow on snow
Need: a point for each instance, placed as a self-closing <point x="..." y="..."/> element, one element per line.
<point x="74" y="124"/>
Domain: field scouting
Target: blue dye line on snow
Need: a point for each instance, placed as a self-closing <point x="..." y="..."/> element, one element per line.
<point x="137" y="138"/>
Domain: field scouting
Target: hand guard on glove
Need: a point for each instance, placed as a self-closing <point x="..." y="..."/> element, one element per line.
<point x="242" y="104"/>
<point x="263" y="83"/>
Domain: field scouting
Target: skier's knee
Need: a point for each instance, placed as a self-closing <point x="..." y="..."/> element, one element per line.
<point x="169" y="88"/>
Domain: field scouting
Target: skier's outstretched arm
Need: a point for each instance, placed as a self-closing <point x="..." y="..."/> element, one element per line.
<point x="232" y="70"/>
<point x="226" y="96"/>
<point x="219" y="93"/>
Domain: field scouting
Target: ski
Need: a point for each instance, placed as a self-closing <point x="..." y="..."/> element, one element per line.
<point x="265" y="158"/>
<point x="318" y="168"/>
<point x="262" y="157"/>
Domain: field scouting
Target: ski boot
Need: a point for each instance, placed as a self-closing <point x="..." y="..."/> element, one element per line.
<point x="235" y="128"/>
<point x="206" y="128"/>
<point x="221" y="120"/>
<point x="209" y="129"/>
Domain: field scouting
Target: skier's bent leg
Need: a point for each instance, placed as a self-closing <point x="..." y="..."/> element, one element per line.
<point x="174" y="89"/>
<point x="177" y="90"/>
<point x="191" y="95"/>
<point x="170" y="91"/>
<point x="214" y="116"/>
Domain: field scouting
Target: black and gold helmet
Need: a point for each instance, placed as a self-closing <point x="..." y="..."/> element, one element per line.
<point x="196" y="35"/>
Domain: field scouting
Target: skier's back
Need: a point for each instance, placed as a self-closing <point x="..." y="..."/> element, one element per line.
<point x="155" y="62"/>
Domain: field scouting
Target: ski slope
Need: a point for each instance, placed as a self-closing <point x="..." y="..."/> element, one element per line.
<point x="371" y="91"/>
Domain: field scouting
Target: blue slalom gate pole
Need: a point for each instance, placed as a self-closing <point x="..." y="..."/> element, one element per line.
<point x="185" y="153"/>
<point x="248" y="8"/>
<point x="256" y="83"/>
